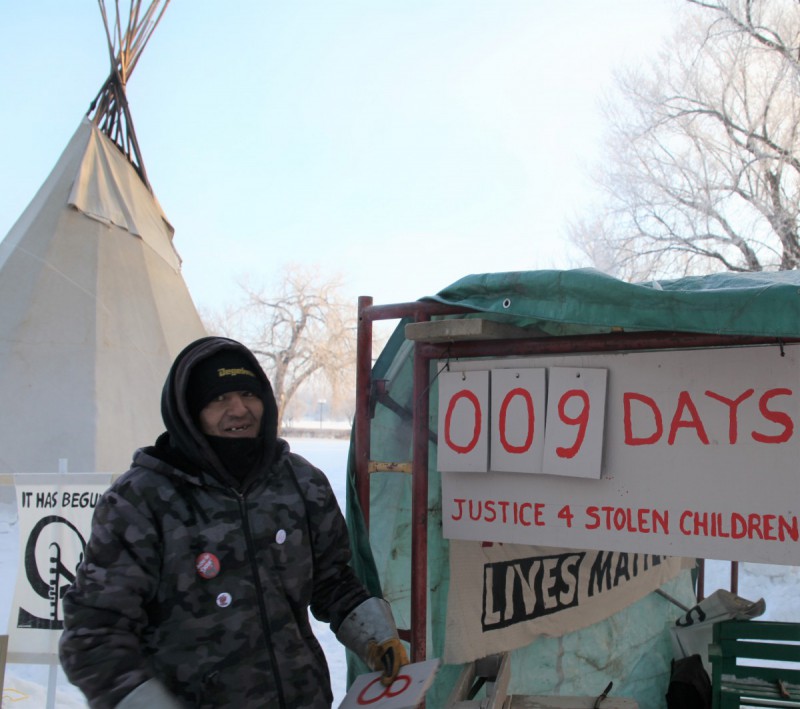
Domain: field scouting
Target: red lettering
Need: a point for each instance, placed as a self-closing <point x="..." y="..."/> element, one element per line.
<point x="630" y="439"/>
<point x="476" y="432"/>
<point x="738" y="526"/>
<point x="735" y="525"/>
<point x="733" y="405"/>
<point x="475" y="510"/>
<point x="685" y="403"/>
<point x="526" y="395"/>
<point x="778" y="417"/>
<point x="642" y="521"/>
<point x="754" y="526"/>
<point x="503" y="506"/>
<point x="370" y="696"/>
<point x="788" y="527"/>
<point x="522" y="508"/>
<point x="499" y="511"/>
<point x="566" y="514"/>
<point x="681" y="525"/>
<point x="491" y="515"/>
<point x="581" y="420"/>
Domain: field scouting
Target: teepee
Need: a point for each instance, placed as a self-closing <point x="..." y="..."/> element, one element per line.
<point x="93" y="307"/>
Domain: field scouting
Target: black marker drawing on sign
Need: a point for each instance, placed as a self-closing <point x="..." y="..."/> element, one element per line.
<point x="59" y="574"/>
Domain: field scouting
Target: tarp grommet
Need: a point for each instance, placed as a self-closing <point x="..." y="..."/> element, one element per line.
<point x="507" y="303"/>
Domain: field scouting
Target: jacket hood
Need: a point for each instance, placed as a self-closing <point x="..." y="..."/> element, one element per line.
<point x="185" y="435"/>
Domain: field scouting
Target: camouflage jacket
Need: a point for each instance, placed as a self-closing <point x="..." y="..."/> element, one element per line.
<point x="206" y="586"/>
<point x="147" y="601"/>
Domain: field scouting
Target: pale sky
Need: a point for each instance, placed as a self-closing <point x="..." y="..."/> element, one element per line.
<point x="403" y="143"/>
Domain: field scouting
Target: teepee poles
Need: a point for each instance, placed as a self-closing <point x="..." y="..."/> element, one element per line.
<point x="109" y="111"/>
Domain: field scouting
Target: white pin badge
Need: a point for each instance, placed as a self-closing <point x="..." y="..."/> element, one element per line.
<point x="280" y="537"/>
<point x="224" y="600"/>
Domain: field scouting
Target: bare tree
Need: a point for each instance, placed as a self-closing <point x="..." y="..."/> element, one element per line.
<point x="303" y="333"/>
<point x="702" y="167"/>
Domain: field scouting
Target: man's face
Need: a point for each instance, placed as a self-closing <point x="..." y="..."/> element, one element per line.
<point x="236" y="414"/>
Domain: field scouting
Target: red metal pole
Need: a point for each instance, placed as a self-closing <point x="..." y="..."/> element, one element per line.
<point x="419" y="508"/>
<point x="363" y="385"/>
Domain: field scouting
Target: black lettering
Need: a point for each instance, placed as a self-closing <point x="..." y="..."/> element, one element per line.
<point x="600" y="573"/>
<point x="526" y="589"/>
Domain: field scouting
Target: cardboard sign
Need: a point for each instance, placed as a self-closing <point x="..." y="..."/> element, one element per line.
<point x="55" y="515"/>
<point x="697" y="453"/>
<point x="406" y="692"/>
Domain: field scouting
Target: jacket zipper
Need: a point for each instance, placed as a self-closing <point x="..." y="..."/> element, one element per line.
<point x="260" y="595"/>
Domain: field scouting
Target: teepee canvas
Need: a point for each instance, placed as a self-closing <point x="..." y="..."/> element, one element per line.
<point x="93" y="307"/>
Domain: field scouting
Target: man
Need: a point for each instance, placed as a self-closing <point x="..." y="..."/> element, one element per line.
<point x="206" y="555"/>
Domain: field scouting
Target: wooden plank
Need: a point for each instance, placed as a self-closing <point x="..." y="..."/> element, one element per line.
<point x="378" y="466"/>
<point x="462" y="329"/>
<point x="461" y="688"/>
<point x="543" y="702"/>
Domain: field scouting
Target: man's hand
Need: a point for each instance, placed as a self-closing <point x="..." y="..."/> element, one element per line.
<point x="388" y="656"/>
<point x="369" y="631"/>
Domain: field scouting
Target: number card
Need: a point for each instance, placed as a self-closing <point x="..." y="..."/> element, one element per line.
<point x="519" y="398"/>
<point x="406" y="692"/>
<point x="576" y="405"/>
<point x="463" y="421"/>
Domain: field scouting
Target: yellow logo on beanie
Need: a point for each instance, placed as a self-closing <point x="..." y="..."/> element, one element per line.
<point x="234" y="372"/>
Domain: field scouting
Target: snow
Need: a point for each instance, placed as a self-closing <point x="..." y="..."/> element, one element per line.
<point x="26" y="686"/>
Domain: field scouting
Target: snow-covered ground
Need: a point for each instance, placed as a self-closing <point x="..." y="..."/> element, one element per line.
<point x="26" y="685"/>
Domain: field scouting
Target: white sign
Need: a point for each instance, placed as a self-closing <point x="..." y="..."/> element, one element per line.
<point x="463" y="421"/>
<point x="519" y="398"/>
<point x="575" y="416"/>
<point x="700" y="457"/>
<point x="55" y="514"/>
<point x="534" y="427"/>
<point x="406" y="692"/>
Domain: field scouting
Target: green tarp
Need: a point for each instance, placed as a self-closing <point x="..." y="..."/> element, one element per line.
<point x="632" y="648"/>
<point x="587" y="301"/>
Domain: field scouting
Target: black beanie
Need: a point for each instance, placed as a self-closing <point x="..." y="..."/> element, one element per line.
<point x="224" y="371"/>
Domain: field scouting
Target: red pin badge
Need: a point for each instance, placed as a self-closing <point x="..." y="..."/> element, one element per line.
<point x="207" y="565"/>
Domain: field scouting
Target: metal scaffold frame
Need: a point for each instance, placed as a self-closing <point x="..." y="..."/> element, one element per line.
<point x="424" y="353"/>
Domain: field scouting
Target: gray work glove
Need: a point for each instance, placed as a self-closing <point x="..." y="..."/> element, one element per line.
<point x="370" y="632"/>
<point x="150" y="695"/>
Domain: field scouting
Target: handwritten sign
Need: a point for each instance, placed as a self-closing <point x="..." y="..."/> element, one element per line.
<point x="519" y="398"/>
<point x="503" y="596"/>
<point x="575" y="417"/>
<point x="697" y="456"/>
<point x="55" y="514"/>
<point x="406" y="692"/>
<point x="534" y="427"/>
<point x="463" y="421"/>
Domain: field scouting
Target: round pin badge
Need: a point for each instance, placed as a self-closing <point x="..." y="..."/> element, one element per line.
<point x="207" y="565"/>
<point x="280" y="537"/>
<point x="224" y="600"/>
